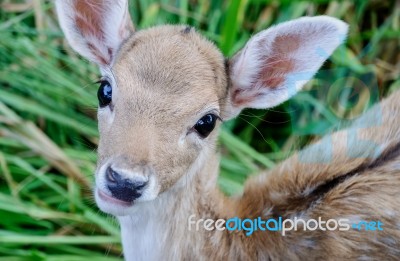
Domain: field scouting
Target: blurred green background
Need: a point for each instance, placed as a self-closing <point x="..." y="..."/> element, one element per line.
<point x="48" y="130"/>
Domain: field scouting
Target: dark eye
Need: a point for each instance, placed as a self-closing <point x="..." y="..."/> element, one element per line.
<point x="104" y="94"/>
<point x="205" y="125"/>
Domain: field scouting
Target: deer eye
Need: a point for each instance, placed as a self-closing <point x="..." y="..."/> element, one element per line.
<point x="104" y="94"/>
<point x="205" y="125"/>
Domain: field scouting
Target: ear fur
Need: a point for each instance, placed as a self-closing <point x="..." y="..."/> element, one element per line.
<point x="277" y="62"/>
<point x="95" y="28"/>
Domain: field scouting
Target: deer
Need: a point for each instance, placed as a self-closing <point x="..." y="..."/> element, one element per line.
<point x="163" y="95"/>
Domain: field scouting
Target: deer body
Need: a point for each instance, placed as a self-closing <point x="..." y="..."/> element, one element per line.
<point x="163" y="92"/>
<point x="161" y="231"/>
<point x="367" y="188"/>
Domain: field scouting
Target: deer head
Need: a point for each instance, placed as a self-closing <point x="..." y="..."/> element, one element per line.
<point x="164" y="91"/>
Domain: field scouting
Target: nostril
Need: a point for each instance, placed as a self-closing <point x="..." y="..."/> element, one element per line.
<point x="112" y="176"/>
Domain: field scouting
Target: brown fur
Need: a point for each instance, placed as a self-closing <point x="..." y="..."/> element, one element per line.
<point x="291" y="189"/>
<point x="164" y="80"/>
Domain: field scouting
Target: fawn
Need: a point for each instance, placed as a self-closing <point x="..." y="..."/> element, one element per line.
<point x="163" y="94"/>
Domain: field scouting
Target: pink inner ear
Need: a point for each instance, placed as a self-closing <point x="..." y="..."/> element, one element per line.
<point x="241" y="97"/>
<point x="89" y="17"/>
<point x="100" y="58"/>
<point x="279" y="62"/>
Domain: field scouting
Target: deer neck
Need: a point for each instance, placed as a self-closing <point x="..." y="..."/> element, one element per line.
<point x="159" y="229"/>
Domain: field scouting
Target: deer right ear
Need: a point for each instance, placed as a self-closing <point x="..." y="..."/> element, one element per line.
<point x="276" y="63"/>
<point x="95" y="28"/>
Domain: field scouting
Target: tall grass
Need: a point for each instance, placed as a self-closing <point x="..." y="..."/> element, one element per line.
<point x="48" y="131"/>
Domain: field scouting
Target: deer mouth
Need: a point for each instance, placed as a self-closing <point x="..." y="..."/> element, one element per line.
<point x="110" y="199"/>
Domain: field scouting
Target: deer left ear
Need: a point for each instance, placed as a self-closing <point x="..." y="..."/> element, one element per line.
<point x="276" y="63"/>
<point x="95" y="28"/>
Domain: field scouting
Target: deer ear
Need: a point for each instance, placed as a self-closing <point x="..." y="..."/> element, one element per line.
<point x="276" y="63"/>
<point x="95" y="28"/>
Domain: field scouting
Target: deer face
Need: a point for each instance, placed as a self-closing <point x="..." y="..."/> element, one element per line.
<point x="153" y="130"/>
<point x="164" y="91"/>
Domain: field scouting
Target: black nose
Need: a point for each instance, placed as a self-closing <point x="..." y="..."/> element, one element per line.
<point x="123" y="189"/>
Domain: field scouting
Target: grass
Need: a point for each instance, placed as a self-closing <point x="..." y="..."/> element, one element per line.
<point x="48" y="131"/>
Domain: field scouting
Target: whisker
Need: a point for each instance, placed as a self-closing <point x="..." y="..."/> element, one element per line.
<point x="262" y="136"/>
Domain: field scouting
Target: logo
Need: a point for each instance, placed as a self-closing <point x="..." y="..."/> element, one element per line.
<point x="281" y="225"/>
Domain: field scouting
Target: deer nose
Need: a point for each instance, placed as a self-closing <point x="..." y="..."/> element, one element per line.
<point x="122" y="188"/>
